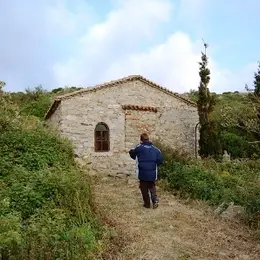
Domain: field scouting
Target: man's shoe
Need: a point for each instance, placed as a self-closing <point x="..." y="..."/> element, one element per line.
<point x="147" y="206"/>
<point x="155" y="205"/>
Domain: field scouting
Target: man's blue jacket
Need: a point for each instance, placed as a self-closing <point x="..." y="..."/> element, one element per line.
<point x="147" y="157"/>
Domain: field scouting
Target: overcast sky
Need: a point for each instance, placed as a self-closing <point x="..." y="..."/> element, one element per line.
<point x="85" y="42"/>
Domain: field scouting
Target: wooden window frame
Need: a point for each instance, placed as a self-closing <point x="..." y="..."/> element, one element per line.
<point x="102" y="141"/>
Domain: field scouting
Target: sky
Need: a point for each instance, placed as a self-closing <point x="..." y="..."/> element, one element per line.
<point x="58" y="43"/>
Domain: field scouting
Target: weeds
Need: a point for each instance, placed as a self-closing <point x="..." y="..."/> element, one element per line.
<point x="46" y="207"/>
<point x="215" y="182"/>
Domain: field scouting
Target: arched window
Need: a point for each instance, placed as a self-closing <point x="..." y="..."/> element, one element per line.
<point x="101" y="138"/>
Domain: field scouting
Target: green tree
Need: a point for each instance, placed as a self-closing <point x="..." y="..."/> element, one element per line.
<point x="209" y="134"/>
<point x="257" y="82"/>
<point x="35" y="102"/>
<point x="254" y="97"/>
<point x="257" y="99"/>
<point x="2" y="84"/>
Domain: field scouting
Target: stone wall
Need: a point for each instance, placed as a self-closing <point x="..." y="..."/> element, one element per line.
<point x="55" y="120"/>
<point x="177" y="128"/>
<point x="78" y="124"/>
<point x="137" y="122"/>
<point x="78" y="115"/>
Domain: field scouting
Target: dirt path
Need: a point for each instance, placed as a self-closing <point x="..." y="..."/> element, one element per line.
<point x="173" y="231"/>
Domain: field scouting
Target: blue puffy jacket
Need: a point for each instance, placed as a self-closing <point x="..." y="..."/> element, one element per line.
<point x="147" y="157"/>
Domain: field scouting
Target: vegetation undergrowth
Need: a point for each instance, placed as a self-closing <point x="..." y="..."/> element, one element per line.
<point x="236" y="181"/>
<point x="46" y="204"/>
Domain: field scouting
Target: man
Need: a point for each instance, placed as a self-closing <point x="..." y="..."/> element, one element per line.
<point x="147" y="157"/>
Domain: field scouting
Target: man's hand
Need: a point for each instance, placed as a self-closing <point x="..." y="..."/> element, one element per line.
<point x="132" y="153"/>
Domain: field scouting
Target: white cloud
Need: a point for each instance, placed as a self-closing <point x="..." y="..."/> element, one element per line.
<point x="191" y="10"/>
<point x="226" y="80"/>
<point x="127" y="27"/>
<point x="173" y="64"/>
<point x="111" y="50"/>
<point x="35" y="36"/>
<point x="65" y="21"/>
<point x="56" y="42"/>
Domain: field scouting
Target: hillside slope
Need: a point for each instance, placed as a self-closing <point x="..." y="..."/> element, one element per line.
<point x="173" y="231"/>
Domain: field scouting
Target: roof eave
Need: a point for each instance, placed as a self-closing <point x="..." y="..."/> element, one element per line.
<point x="122" y="80"/>
<point x="113" y="83"/>
<point x="52" y="109"/>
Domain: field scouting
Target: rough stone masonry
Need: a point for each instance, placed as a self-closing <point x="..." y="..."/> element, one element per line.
<point x="128" y="106"/>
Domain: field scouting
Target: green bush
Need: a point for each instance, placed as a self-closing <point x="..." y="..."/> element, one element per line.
<point x="34" y="149"/>
<point x="215" y="182"/>
<point x="238" y="145"/>
<point x="32" y="102"/>
<point x="209" y="141"/>
<point x="46" y="208"/>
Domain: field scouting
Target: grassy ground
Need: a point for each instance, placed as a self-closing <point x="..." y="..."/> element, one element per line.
<point x="173" y="231"/>
<point x="235" y="181"/>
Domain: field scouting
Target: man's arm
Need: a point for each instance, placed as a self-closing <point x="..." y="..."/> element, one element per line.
<point x="159" y="160"/>
<point x="133" y="152"/>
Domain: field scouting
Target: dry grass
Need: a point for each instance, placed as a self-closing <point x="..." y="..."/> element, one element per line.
<point x="173" y="231"/>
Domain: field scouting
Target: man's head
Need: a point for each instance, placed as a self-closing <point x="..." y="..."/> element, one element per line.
<point x="144" y="137"/>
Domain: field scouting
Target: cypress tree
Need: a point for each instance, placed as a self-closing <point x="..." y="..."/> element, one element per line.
<point x="209" y="142"/>
<point x="257" y="82"/>
<point x="256" y="99"/>
<point x="254" y="95"/>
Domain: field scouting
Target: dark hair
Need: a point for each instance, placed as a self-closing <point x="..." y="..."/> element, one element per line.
<point x="144" y="137"/>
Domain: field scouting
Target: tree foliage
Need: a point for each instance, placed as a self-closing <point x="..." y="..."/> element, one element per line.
<point x="216" y="182"/>
<point x="257" y="81"/>
<point x="209" y="135"/>
<point x="2" y="84"/>
<point x="35" y="101"/>
<point x="254" y="96"/>
<point x="205" y="101"/>
<point x="241" y="110"/>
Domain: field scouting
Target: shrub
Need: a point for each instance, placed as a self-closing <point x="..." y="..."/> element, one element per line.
<point x="34" y="149"/>
<point x="238" y="145"/>
<point x="32" y="102"/>
<point x="209" y="142"/>
<point x="215" y="182"/>
<point x="46" y="203"/>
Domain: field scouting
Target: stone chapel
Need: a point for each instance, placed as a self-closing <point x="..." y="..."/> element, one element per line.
<point x="105" y="121"/>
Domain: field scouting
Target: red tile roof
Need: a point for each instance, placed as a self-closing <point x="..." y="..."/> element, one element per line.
<point x="141" y="108"/>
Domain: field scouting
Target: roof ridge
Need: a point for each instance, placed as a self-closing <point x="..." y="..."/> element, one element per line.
<point x="122" y="80"/>
<point x="114" y="83"/>
<point x="98" y="86"/>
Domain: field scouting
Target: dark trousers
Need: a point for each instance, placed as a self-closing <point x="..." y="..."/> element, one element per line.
<point x="146" y="187"/>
